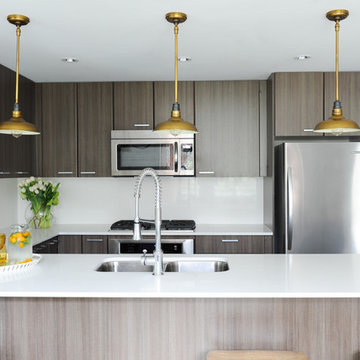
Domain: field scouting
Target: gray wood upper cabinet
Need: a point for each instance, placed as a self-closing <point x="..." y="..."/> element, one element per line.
<point x="133" y="106"/>
<point x="349" y="93"/>
<point x="164" y="98"/>
<point x="227" y="117"/>
<point x="233" y="244"/>
<point x="16" y="154"/>
<point x="298" y="103"/>
<point x="95" y="122"/>
<point x="59" y="129"/>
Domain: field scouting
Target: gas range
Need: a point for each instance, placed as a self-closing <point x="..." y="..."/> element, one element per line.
<point x="172" y="225"/>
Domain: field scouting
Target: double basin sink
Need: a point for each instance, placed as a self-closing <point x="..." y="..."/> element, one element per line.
<point x="182" y="265"/>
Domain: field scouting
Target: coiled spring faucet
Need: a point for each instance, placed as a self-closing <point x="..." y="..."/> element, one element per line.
<point x="158" y="253"/>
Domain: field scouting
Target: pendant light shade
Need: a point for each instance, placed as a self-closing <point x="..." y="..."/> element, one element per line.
<point x="16" y="125"/>
<point x="337" y="124"/>
<point x="176" y="124"/>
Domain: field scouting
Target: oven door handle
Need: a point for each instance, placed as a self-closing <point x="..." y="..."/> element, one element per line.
<point x="176" y="157"/>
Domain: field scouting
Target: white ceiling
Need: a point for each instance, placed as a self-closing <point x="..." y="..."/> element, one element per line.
<point x="131" y="40"/>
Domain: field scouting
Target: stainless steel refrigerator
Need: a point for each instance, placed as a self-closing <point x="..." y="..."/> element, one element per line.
<point x="317" y="197"/>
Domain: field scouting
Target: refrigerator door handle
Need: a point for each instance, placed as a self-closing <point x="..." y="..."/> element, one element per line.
<point x="289" y="220"/>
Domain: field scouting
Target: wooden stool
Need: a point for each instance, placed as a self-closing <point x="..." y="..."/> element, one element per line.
<point x="255" y="355"/>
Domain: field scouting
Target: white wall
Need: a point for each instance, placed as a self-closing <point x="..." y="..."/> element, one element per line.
<point x="206" y="200"/>
<point x="8" y="202"/>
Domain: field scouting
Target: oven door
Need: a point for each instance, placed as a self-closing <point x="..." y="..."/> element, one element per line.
<point x="169" y="245"/>
<point x="129" y="157"/>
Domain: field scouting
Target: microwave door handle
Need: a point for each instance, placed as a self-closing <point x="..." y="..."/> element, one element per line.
<point x="176" y="157"/>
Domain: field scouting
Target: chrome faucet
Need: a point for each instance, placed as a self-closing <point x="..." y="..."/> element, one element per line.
<point x="158" y="253"/>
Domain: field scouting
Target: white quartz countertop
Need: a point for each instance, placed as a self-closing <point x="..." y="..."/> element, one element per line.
<point x="103" y="229"/>
<point x="249" y="276"/>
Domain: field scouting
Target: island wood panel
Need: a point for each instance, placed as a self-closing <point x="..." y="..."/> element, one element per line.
<point x="133" y="105"/>
<point x="59" y="129"/>
<point x="298" y="101"/>
<point x="69" y="244"/>
<point x="328" y="328"/>
<point x="94" y="244"/>
<point x="233" y="244"/>
<point x="349" y="93"/>
<point x="164" y="93"/>
<point x="227" y="117"/>
<point x="176" y="329"/>
<point x="95" y="122"/>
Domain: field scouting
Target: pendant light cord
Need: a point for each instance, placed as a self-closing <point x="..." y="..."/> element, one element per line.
<point x="18" y="33"/>
<point x="176" y="31"/>
<point x="337" y="27"/>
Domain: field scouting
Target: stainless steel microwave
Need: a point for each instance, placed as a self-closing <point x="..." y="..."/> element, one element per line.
<point x="134" y="150"/>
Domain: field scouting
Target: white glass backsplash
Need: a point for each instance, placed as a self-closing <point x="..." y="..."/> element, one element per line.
<point x="206" y="200"/>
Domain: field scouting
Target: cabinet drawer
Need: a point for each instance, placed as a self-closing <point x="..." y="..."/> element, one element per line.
<point x="94" y="244"/>
<point x="233" y="244"/>
<point x="69" y="244"/>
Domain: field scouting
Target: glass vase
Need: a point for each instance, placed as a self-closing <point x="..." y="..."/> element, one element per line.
<point x="41" y="219"/>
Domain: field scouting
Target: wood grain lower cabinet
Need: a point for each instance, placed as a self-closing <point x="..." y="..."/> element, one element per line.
<point x="164" y="98"/>
<point x="228" y="120"/>
<point x="59" y="130"/>
<point x="69" y="244"/>
<point x="133" y="106"/>
<point x="95" y="122"/>
<point x="94" y="244"/>
<point x="298" y="103"/>
<point x="50" y="246"/>
<point x="233" y="244"/>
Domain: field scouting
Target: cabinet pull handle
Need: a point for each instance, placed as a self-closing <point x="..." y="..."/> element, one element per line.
<point x="87" y="172"/>
<point x="141" y="125"/>
<point x="94" y="240"/>
<point x="22" y="172"/>
<point x="206" y="172"/>
<point x="308" y="130"/>
<point x="230" y="240"/>
<point x="4" y="172"/>
<point x="64" y="172"/>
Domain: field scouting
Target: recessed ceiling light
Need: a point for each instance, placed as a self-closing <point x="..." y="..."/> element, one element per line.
<point x="303" y="57"/>
<point x="70" y="60"/>
<point x="184" y="58"/>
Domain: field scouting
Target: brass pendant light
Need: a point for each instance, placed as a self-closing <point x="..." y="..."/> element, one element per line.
<point x="176" y="125"/>
<point x="337" y="124"/>
<point x="17" y="126"/>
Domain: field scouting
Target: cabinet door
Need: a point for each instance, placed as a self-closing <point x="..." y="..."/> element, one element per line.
<point x="7" y="94"/>
<point x="23" y="148"/>
<point x="232" y="245"/>
<point x="298" y="104"/>
<point x="164" y="98"/>
<point x="69" y="244"/>
<point x="133" y="106"/>
<point x="349" y="93"/>
<point x="59" y="129"/>
<point x="95" y="122"/>
<point x="227" y="117"/>
<point x="94" y="244"/>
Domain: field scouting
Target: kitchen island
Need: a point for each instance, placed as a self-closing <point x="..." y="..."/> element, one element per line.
<point x="63" y="309"/>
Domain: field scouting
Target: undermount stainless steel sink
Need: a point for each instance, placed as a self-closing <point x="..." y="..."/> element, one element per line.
<point x="181" y="265"/>
<point x="123" y="266"/>
<point x="197" y="266"/>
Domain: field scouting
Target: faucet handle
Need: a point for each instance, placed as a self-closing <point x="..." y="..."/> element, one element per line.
<point x="143" y="257"/>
